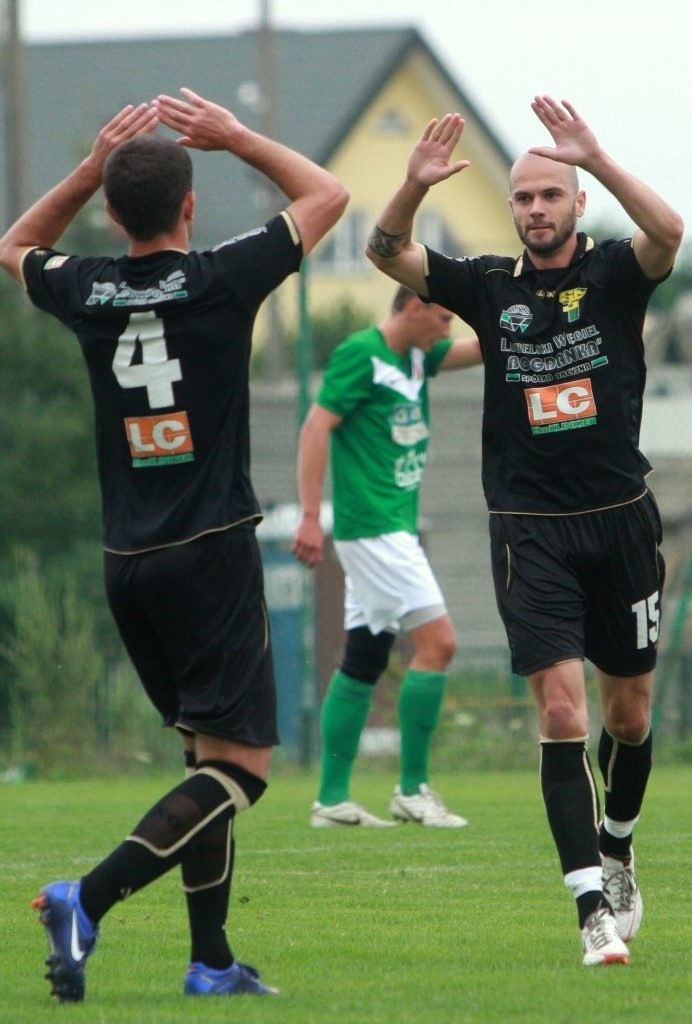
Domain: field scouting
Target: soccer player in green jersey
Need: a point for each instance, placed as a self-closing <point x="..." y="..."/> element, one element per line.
<point x="372" y="411"/>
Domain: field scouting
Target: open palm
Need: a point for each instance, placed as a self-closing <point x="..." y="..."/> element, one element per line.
<point x="430" y="159"/>
<point x="575" y="143"/>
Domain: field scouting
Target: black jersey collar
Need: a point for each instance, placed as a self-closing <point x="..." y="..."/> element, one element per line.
<point x="524" y="265"/>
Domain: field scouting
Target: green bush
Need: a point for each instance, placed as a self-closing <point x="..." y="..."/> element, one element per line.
<point x="52" y="667"/>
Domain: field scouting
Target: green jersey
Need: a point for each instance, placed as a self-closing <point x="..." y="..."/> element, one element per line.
<point x="378" y="451"/>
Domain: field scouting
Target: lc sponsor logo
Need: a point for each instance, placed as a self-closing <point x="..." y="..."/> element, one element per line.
<point x="561" y="406"/>
<point x="159" y="440"/>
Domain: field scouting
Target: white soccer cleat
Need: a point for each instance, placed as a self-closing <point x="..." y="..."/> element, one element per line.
<point x="600" y="940"/>
<point x="622" y="892"/>
<point x="425" y="808"/>
<point x="345" y="813"/>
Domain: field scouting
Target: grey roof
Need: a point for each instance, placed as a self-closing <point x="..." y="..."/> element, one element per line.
<point x="322" y="81"/>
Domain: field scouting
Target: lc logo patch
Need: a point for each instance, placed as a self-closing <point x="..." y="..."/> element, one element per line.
<point x="561" y="406"/>
<point x="159" y="440"/>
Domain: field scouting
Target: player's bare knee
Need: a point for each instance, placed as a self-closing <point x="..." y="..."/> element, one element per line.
<point x="632" y="729"/>
<point x="627" y="714"/>
<point x="561" y="719"/>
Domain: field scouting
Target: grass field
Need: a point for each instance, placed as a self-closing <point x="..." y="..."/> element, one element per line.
<point x="355" y="926"/>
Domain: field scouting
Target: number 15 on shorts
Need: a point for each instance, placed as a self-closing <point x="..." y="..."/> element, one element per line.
<point x="648" y="617"/>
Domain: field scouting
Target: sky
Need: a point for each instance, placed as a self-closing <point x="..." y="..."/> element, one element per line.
<point x="624" y="64"/>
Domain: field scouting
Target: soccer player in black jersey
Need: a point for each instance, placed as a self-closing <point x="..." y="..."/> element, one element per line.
<point x="574" y="531"/>
<point x="166" y="335"/>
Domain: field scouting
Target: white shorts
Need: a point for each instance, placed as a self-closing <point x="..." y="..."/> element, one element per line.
<point x="389" y="583"/>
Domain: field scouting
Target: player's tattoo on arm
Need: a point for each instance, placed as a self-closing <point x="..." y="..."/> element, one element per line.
<point x="385" y="244"/>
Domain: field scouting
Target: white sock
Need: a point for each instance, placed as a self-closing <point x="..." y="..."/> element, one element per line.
<point x="584" y="880"/>
<point x="619" y="829"/>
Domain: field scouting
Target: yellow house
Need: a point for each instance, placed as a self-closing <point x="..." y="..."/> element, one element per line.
<point x="466" y="215"/>
<point x="354" y="100"/>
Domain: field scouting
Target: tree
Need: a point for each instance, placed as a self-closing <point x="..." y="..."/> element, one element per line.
<point x="47" y="470"/>
<point x="330" y="326"/>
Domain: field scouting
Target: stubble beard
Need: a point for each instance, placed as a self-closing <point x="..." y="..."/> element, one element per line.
<point x="550" y="245"/>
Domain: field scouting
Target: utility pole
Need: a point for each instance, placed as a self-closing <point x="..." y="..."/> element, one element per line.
<point x="275" y="342"/>
<point x="14" y="113"/>
<point x="276" y="367"/>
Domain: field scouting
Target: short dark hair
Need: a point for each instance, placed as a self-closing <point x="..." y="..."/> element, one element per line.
<point x="402" y="297"/>
<point x="145" y="181"/>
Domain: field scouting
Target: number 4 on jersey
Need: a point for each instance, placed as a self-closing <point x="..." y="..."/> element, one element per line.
<point x="156" y="372"/>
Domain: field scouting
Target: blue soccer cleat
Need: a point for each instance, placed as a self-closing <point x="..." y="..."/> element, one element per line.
<point x="71" y="937"/>
<point x="236" y="980"/>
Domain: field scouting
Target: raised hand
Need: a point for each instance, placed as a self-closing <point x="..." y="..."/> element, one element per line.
<point x="201" y="123"/>
<point x="575" y="143"/>
<point x="130" y="121"/>
<point x="430" y="159"/>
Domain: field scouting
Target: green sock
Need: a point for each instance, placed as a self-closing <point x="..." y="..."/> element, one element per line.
<point x="420" y="700"/>
<point x="344" y="713"/>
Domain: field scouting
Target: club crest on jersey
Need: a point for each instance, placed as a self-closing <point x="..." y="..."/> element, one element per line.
<point x="570" y="301"/>
<point x="516" y="318"/>
<point x="159" y="440"/>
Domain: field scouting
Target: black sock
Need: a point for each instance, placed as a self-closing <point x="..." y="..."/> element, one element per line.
<point x="625" y="769"/>
<point x="207" y="875"/>
<point x="588" y="903"/>
<point x="157" y="844"/>
<point x="614" y="846"/>
<point x="571" y="803"/>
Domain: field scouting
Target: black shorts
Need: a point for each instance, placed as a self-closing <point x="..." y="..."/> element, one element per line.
<point x="194" y="622"/>
<point x="580" y="586"/>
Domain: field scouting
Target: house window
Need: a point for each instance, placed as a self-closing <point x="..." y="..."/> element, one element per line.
<point x="432" y="230"/>
<point x="392" y="122"/>
<point x="342" y="252"/>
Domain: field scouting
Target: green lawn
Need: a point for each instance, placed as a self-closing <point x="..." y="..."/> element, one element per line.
<point x="355" y="927"/>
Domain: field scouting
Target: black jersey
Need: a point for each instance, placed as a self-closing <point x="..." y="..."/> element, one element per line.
<point x="166" y="339"/>
<point x="564" y="374"/>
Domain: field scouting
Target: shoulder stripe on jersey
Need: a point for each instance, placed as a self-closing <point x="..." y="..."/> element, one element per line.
<point x="292" y="229"/>
<point x="426" y="265"/>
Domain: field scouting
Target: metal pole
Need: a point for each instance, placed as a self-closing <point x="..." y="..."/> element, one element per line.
<point x="308" y="680"/>
<point x="15" y="115"/>
<point x="304" y="344"/>
<point x="266" y="62"/>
